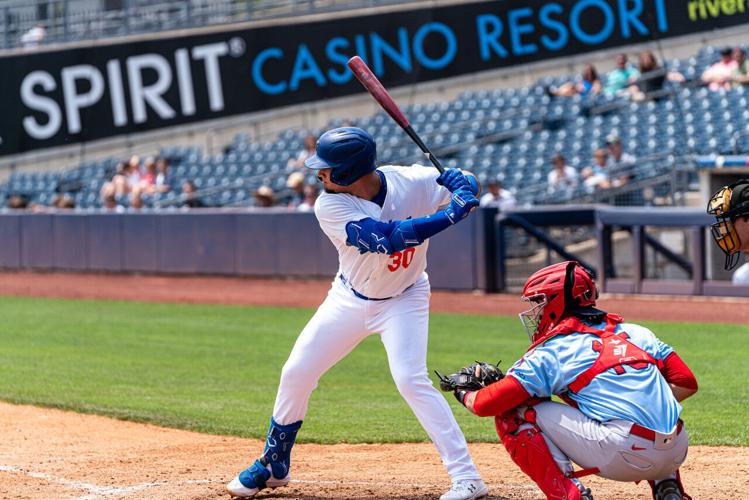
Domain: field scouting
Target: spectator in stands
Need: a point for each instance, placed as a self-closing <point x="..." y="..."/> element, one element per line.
<point x="652" y="77"/>
<point x="620" y="165"/>
<point x="17" y="202"/>
<point x="34" y="36"/>
<point x="596" y="176"/>
<point x="621" y="78"/>
<point x="118" y="183"/>
<point x="562" y="179"/>
<point x="741" y="72"/>
<point x="156" y="178"/>
<point x="127" y="178"/>
<point x="109" y="203"/>
<point x="310" y="196"/>
<point x="148" y="179"/>
<point x="190" y="199"/>
<point x="136" y="200"/>
<point x="497" y="197"/>
<point x="719" y="76"/>
<point x="310" y="143"/>
<point x="163" y="181"/>
<point x="264" y="197"/>
<point x="63" y="202"/>
<point x="588" y="85"/>
<point x="617" y="156"/>
<point x="133" y="173"/>
<point x="295" y="182"/>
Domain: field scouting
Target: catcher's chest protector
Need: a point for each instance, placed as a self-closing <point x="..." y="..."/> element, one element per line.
<point x="614" y="350"/>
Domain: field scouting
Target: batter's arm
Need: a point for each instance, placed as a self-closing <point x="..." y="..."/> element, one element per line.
<point x="369" y="235"/>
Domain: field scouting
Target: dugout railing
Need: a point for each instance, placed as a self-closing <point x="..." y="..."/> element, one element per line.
<point x="630" y="249"/>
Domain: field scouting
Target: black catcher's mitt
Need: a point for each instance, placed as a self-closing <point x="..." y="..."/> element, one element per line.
<point x="470" y="378"/>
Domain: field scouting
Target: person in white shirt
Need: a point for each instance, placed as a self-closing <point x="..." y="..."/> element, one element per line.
<point x="380" y="221"/>
<point x="620" y="163"/>
<point x="562" y="178"/>
<point x="34" y="36"/>
<point x="498" y="197"/>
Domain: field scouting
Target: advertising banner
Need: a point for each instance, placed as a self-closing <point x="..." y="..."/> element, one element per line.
<point x="82" y="94"/>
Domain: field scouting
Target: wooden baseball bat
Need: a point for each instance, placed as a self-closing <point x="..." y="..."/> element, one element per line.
<point x="381" y="95"/>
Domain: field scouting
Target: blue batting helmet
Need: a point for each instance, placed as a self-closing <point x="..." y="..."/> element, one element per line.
<point x="349" y="151"/>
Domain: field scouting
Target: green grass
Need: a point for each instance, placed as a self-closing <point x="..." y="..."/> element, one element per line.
<point x="216" y="368"/>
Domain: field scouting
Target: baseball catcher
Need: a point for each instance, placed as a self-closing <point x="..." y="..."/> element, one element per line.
<point x="622" y="386"/>
<point x="730" y="206"/>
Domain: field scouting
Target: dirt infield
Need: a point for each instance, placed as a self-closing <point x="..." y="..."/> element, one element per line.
<point x="298" y="293"/>
<point x="54" y="454"/>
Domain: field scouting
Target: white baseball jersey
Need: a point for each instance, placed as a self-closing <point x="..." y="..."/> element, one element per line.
<point x="411" y="192"/>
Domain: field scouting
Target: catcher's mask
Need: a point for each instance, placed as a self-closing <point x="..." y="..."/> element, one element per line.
<point x="729" y="203"/>
<point x="555" y="292"/>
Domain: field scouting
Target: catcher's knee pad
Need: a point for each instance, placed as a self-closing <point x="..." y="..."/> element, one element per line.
<point x="278" y="444"/>
<point x="529" y="451"/>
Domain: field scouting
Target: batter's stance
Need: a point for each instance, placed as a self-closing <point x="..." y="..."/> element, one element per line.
<point x="621" y="383"/>
<point x="379" y="220"/>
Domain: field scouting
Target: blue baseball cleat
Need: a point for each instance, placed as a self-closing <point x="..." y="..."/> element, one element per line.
<point x="271" y="470"/>
<point x="253" y="479"/>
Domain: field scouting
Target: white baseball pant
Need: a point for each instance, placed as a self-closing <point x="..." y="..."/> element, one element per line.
<point x="340" y="323"/>
<point x="609" y="446"/>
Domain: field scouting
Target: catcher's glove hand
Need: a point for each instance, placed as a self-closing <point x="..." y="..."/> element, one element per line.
<point x="470" y="378"/>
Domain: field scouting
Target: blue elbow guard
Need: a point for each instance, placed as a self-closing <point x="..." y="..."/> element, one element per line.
<point x="369" y="235"/>
<point x="404" y="235"/>
<point x="413" y="232"/>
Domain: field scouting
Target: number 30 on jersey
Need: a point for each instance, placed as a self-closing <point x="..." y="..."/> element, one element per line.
<point x="401" y="259"/>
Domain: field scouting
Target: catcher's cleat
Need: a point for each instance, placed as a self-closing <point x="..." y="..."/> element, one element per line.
<point x="586" y="494"/>
<point x="253" y="479"/>
<point x="668" y="490"/>
<point x="466" y="489"/>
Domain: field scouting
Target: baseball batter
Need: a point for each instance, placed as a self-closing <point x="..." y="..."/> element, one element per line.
<point x="379" y="220"/>
<point x="621" y="384"/>
<point x="730" y="206"/>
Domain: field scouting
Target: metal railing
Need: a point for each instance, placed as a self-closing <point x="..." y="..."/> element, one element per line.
<point x="31" y="23"/>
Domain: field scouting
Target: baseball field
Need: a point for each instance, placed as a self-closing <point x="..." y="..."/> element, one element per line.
<point x="154" y="387"/>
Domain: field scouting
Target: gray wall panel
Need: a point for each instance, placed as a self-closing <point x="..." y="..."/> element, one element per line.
<point x="105" y="242"/>
<point x="10" y="241"/>
<point x="266" y="243"/>
<point x="216" y="243"/>
<point x="257" y="244"/>
<point x="140" y="242"/>
<point x="177" y="244"/>
<point x="70" y="241"/>
<point x="450" y="262"/>
<point x="298" y="248"/>
<point x="37" y="243"/>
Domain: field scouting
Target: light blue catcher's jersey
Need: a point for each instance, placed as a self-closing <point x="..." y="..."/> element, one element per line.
<point x="641" y="396"/>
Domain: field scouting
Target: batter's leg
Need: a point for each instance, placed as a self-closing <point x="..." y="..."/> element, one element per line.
<point x="335" y="329"/>
<point x="403" y="324"/>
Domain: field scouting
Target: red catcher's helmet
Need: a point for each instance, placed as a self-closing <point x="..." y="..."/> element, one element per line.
<point x="555" y="292"/>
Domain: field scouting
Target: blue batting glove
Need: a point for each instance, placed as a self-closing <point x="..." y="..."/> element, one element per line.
<point x="453" y="179"/>
<point x="461" y="204"/>
<point x="473" y="184"/>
